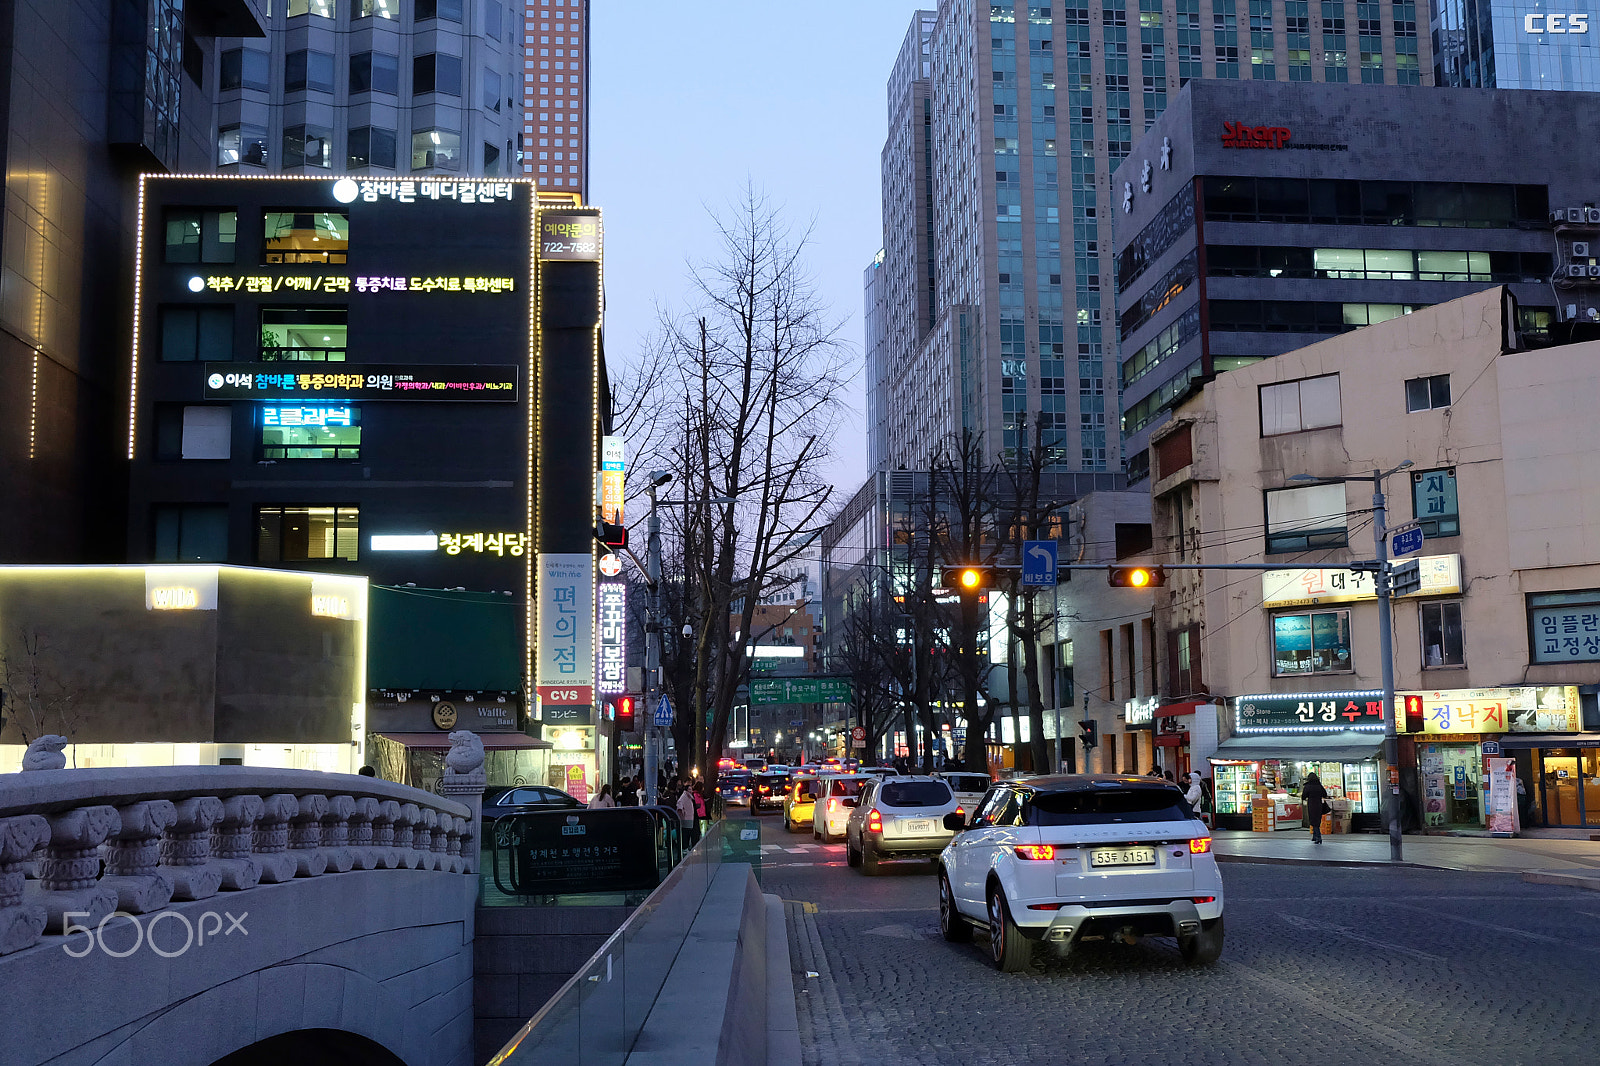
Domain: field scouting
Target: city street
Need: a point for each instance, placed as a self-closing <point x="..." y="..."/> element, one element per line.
<point x="1321" y="964"/>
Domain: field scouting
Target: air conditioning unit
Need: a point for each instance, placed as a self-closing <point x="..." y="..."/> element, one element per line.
<point x="1594" y="270"/>
<point x="1577" y="270"/>
<point x="1591" y="215"/>
<point x="1558" y="216"/>
<point x="1580" y="249"/>
<point x="1574" y="214"/>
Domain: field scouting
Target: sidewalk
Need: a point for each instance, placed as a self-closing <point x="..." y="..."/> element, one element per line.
<point x="1566" y="859"/>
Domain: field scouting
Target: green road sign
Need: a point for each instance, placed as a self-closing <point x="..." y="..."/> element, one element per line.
<point x="800" y="690"/>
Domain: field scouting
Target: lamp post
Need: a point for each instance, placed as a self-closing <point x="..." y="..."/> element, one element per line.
<point x="1380" y="580"/>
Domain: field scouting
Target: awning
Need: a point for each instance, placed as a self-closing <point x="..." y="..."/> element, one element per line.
<point x="1549" y="740"/>
<point x="1171" y="740"/>
<point x="491" y="741"/>
<point x="1170" y="710"/>
<point x="1344" y="746"/>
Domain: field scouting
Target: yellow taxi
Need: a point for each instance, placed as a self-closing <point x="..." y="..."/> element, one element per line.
<point x="799" y="800"/>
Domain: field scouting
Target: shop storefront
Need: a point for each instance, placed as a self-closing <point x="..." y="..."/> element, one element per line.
<point x="1562" y="777"/>
<point x="1258" y="774"/>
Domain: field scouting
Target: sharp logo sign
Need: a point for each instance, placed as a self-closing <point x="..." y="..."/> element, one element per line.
<point x="1542" y="23"/>
<point x="1239" y="135"/>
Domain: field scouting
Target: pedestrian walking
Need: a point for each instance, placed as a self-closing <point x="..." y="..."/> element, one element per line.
<point x="685" y="807"/>
<point x="1155" y="771"/>
<point x="1315" y="798"/>
<point x="1524" y="801"/>
<point x="602" y="798"/>
<point x="1194" y="793"/>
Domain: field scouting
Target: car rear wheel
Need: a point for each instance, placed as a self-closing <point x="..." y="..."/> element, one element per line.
<point x="1009" y="950"/>
<point x="1202" y="948"/>
<point x="869" y="860"/>
<point x="955" y="928"/>
<point x="851" y="855"/>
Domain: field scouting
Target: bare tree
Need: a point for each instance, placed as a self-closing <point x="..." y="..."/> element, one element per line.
<point x="1031" y="517"/>
<point x="38" y="699"/>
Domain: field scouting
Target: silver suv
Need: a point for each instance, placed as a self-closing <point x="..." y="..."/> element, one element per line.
<point x="898" y="818"/>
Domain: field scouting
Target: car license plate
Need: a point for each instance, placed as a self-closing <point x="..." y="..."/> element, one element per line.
<point x="1122" y="857"/>
<point x="919" y="828"/>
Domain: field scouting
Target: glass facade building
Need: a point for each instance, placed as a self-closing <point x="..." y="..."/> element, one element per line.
<point x="1516" y="44"/>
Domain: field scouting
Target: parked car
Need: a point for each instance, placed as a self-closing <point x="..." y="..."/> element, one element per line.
<point x="1062" y="859"/>
<point x="766" y="790"/>
<point x="838" y="793"/>
<point x="798" y="801"/>
<point x="969" y="787"/>
<point x="522" y="799"/>
<point x="898" y="818"/>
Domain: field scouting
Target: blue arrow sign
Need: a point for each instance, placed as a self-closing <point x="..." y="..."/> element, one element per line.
<point x="663" y="711"/>
<point x="1039" y="562"/>
<point x="1406" y="541"/>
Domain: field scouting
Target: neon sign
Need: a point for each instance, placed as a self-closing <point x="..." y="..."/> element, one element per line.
<point x="307" y="416"/>
<point x="339" y="283"/>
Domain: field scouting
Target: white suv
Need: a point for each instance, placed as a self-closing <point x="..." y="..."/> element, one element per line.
<point x="1056" y="860"/>
<point x="898" y="818"/>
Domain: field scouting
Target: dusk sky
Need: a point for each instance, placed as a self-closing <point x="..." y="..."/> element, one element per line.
<point x="690" y="99"/>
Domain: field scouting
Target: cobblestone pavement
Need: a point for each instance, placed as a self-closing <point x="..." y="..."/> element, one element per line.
<point x="1322" y="964"/>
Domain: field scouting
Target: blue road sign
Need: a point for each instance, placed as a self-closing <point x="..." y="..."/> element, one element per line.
<point x="1406" y="541"/>
<point x="663" y="711"/>
<point x="1038" y="562"/>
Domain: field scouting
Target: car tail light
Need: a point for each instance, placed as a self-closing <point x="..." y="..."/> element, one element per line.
<point x="833" y="805"/>
<point x="961" y="812"/>
<point x="1199" y="845"/>
<point x="874" y="821"/>
<point x="1036" y="851"/>
<point x="1204" y="899"/>
<point x="1045" y="906"/>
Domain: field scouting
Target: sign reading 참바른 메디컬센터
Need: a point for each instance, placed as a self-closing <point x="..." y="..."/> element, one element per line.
<point x="479" y="383"/>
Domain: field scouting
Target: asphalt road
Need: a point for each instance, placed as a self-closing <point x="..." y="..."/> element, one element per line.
<point x="1321" y="965"/>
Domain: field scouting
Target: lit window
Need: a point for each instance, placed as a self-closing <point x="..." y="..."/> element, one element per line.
<point x="382" y="9"/>
<point x="326" y="431"/>
<point x="304" y="334"/>
<point x="435" y="150"/>
<point x="307" y="146"/>
<point x="1313" y="642"/>
<point x="305" y="236"/>
<point x="321" y="8"/>
<point x="242" y="144"/>
<point x="292" y="534"/>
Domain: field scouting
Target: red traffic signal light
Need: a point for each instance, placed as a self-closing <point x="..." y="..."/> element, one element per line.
<point x="1091" y="732"/>
<point x="1413" y="710"/>
<point x="1136" y="577"/>
<point x="625" y="714"/>
<point x="612" y="535"/>
<point x="966" y="578"/>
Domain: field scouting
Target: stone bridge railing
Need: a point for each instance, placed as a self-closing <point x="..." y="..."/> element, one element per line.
<point x="78" y="845"/>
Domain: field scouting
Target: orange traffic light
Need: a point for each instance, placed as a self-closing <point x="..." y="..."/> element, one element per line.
<point x="1136" y="577"/>
<point x="966" y="578"/>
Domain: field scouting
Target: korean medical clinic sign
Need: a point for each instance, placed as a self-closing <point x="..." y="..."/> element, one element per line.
<point x="1523" y="709"/>
<point x="1441" y="575"/>
<point x="564" y="664"/>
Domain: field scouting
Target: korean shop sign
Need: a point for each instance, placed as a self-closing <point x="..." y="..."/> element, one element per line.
<point x="1441" y="575"/>
<point x="569" y="236"/>
<point x="1319" y="712"/>
<point x="565" y="630"/>
<point x="1523" y="709"/>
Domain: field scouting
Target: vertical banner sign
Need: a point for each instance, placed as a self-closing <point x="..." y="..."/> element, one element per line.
<point x="611" y="669"/>
<point x="613" y="471"/>
<point x="565" y="661"/>
<point x="1503" y="813"/>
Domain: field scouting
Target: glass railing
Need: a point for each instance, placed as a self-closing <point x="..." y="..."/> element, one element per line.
<point x="612" y="857"/>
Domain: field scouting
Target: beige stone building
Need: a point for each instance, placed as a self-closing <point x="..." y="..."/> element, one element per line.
<point x="1500" y="645"/>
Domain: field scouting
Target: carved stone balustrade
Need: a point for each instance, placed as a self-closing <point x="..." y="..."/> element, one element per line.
<point x="132" y="853"/>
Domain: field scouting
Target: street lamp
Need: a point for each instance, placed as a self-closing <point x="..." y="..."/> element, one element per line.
<point x="1380" y="578"/>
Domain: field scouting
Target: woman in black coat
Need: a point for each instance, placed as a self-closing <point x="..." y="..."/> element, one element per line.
<point x="1316" y="801"/>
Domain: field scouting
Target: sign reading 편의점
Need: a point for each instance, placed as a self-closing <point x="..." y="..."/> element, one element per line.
<point x="800" y="690"/>
<point x="1291" y="712"/>
<point x="565" y="628"/>
<point x="569" y="236"/>
<point x="479" y="383"/>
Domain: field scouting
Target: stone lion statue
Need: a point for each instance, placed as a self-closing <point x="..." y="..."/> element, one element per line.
<point x="45" y="753"/>
<point x="465" y="757"/>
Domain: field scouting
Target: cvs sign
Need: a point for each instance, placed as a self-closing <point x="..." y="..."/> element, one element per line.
<point x="566" y="695"/>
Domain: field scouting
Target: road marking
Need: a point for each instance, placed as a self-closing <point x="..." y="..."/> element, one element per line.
<point x="809" y="908"/>
<point x="1350" y="934"/>
<point x="1506" y="929"/>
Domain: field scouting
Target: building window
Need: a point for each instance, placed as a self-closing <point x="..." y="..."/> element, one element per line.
<point x="491" y="90"/>
<point x="1564" y="627"/>
<point x="491" y="160"/>
<point x="1303" y="519"/>
<point x="331" y="431"/>
<point x="242" y="144"/>
<point x="1433" y="502"/>
<point x="1426" y="394"/>
<point x="196" y="334"/>
<point x="189" y="533"/>
<point x="295" y="534"/>
<point x="201" y="236"/>
<point x="321" y="237"/>
<point x="310" y="334"/>
<point x="1441" y="634"/>
<point x="378" y="9"/>
<point x="321" y="8"/>
<point x="244" y="68"/>
<point x="435" y="150"/>
<point x="1293" y="406"/>
<point x="307" y="146"/>
<point x="374" y="72"/>
<point x="436" y="73"/>
<point x="439" y="9"/>
<point x="193" y="432"/>
<point x="1312" y="642"/>
<point x="371" y="147"/>
<point x="492" y="20"/>
<point x="306" y="69"/>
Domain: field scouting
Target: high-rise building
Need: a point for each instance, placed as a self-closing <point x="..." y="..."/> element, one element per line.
<point x="555" y="94"/>
<point x="90" y="95"/>
<point x="1516" y="44"/>
<point x="376" y="87"/>
<point x="1031" y="106"/>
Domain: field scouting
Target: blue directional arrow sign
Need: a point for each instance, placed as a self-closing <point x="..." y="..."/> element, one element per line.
<point x="1038" y="562"/>
<point x="1405" y="540"/>
<point x="663" y="711"/>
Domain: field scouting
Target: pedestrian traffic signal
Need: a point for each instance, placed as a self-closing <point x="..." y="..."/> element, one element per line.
<point x="625" y="714"/>
<point x="1136" y="577"/>
<point x="612" y="534"/>
<point x="1413" y="709"/>
<point x="1091" y="732"/>
<point x="966" y="578"/>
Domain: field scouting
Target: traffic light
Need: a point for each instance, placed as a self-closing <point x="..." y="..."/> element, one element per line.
<point x="966" y="578"/>
<point x="612" y="535"/>
<point x="1091" y="732"/>
<point x="1136" y="577"/>
<point x="1413" y="710"/>
<point x="625" y="714"/>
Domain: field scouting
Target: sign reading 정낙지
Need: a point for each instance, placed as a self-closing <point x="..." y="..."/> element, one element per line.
<point x="800" y="690"/>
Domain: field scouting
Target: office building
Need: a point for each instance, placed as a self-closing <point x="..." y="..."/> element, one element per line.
<point x="1516" y="44"/>
<point x="74" y="136"/>
<point x="380" y="87"/>
<point x="1258" y="218"/>
<point x="1030" y="106"/>
<point x="555" y="93"/>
